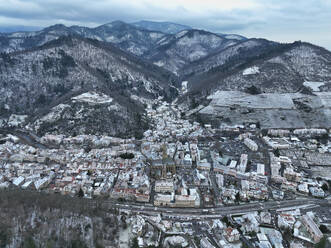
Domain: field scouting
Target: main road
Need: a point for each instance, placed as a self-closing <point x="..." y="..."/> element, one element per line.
<point x="214" y="212"/>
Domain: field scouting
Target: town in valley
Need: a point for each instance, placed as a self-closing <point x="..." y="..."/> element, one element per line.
<point x="185" y="183"/>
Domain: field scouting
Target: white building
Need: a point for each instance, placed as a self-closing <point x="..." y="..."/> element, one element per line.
<point x="163" y="200"/>
<point x="251" y="144"/>
<point x="244" y="185"/>
<point x="18" y="181"/>
<point x="220" y="180"/>
<point x="233" y="164"/>
<point x="312" y="228"/>
<point x="279" y="132"/>
<point x="317" y="192"/>
<point x="41" y="183"/>
<point x="285" y="221"/>
<point x="276" y="143"/>
<point x="303" y="188"/>
<point x="312" y="131"/>
<point x="243" y="162"/>
<point x="205" y="243"/>
<point x="260" y="169"/>
<point x="164" y="186"/>
<point x="231" y="234"/>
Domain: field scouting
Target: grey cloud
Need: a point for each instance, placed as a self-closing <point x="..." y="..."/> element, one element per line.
<point x="274" y="18"/>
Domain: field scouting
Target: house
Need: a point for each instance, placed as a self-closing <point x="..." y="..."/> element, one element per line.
<point x="231" y="234"/>
<point x="260" y="169"/>
<point x="309" y="132"/>
<point x="220" y="180"/>
<point x="203" y="165"/>
<point x="163" y="200"/>
<point x="303" y="188"/>
<point x="233" y="164"/>
<point x="312" y="228"/>
<point x="251" y="144"/>
<point x="276" y="143"/>
<point x="164" y="186"/>
<point x="27" y="184"/>
<point x="185" y="201"/>
<point x="187" y="160"/>
<point x="296" y="245"/>
<point x="291" y="175"/>
<point x="278" y="132"/>
<point x="42" y="183"/>
<point x="243" y="162"/>
<point x="274" y="236"/>
<point x="18" y="181"/>
<point x="317" y="192"/>
<point x="263" y="241"/>
<point x="289" y="186"/>
<point x="285" y="221"/>
<point x="244" y="185"/>
<point x="265" y="218"/>
<point x="142" y="197"/>
<point x="4" y="185"/>
<point x="205" y="243"/>
<point x="250" y="224"/>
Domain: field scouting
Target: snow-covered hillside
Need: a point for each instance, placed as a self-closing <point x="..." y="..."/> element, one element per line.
<point x="174" y="53"/>
<point x="243" y="49"/>
<point x="281" y="69"/>
<point x="86" y="72"/>
<point x="125" y="36"/>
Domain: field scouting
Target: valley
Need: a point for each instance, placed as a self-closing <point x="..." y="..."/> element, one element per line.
<point x="157" y="134"/>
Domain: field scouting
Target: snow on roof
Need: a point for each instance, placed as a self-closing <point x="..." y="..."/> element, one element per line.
<point x="16" y="120"/>
<point x="26" y="184"/>
<point x="17" y="181"/>
<point x="39" y="183"/>
<point x="4" y="185"/>
<point x="93" y="97"/>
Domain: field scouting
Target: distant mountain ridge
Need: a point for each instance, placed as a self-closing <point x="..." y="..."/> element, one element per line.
<point x="20" y="28"/>
<point x="125" y="36"/>
<point x="148" y="40"/>
<point x="165" y="27"/>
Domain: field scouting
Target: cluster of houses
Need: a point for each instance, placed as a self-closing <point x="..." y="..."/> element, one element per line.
<point x="69" y="170"/>
<point x="178" y="164"/>
<point x="261" y="229"/>
<point x="169" y="154"/>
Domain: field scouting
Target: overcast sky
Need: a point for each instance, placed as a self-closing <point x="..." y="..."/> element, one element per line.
<point x="280" y="20"/>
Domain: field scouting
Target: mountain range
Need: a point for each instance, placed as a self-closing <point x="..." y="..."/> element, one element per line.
<point x="164" y="27"/>
<point x="43" y="73"/>
<point x="159" y="47"/>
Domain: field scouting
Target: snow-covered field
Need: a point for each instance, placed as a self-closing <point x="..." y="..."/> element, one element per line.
<point x="93" y="97"/>
<point x="272" y="110"/>
<point x="314" y="86"/>
<point x="261" y="101"/>
<point x="251" y="71"/>
<point x="184" y="86"/>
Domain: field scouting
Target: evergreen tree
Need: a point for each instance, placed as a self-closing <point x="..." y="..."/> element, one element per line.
<point x="80" y="193"/>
